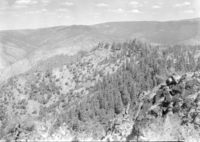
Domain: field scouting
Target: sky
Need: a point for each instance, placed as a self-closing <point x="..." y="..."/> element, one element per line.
<point x="23" y="14"/>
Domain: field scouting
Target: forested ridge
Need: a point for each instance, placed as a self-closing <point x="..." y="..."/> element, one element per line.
<point x="145" y="68"/>
<point x="139" y="68"/>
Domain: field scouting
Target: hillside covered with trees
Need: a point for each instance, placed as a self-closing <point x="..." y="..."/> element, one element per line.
<point x="112" y="86"/>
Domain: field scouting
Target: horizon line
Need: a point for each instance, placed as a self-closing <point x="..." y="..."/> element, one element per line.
<point x="97" y="24"/>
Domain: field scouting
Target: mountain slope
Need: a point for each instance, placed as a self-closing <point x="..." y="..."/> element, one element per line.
<point x="164" y="33"/>
<point x="40" y="44"/>
<point x="110" y="93"/>
<point x="191" y="41"/>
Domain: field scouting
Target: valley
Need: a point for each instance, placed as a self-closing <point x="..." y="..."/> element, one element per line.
<point x="30" y="46"/>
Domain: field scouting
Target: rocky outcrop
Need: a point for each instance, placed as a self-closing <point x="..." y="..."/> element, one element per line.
<point x="172" y="103"/>
<point x="170" y="115"/>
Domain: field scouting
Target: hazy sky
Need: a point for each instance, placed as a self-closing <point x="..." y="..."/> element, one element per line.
<point x="19" y="14"/>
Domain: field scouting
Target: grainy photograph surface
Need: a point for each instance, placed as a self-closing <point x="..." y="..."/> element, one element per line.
<point x="100" y="70"/>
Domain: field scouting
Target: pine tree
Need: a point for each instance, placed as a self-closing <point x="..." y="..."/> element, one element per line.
<point x="124" y="95"/>
<point x="118" y="102"/>
<point x="198" y="64"/>
<point x="113" y="47"/>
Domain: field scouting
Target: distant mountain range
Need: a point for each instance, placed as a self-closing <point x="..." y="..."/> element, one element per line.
<point x="20" y="50"/>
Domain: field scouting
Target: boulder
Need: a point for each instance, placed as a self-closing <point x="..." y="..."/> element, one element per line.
<point x="176" y="89"/>
<point x="158" y="96"/>
<point x="183" y="77"/>
<point x="171" y="81"/>
<point x="167" y="95"/>
<point x="189" y="85"/>
<point x="197" y="100"/>
<point x="197" y="120"/>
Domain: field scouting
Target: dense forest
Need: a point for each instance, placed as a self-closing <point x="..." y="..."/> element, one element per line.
<point x="146" y="66"/>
